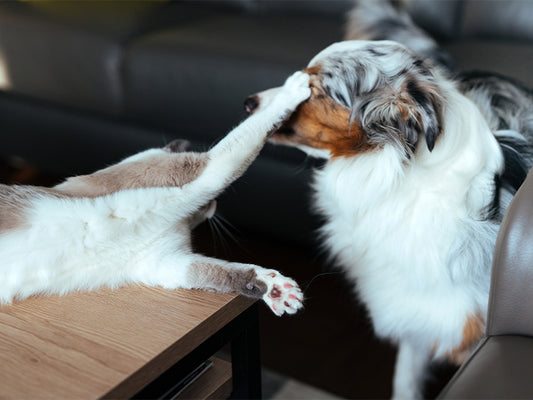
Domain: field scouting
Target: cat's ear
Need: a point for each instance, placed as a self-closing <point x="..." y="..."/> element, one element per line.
<point x="178" y="146"/>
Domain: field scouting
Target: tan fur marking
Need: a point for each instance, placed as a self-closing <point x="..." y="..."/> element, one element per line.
<point x="15" y="202"/>
<point x="473" y="331"/>
<point x="12" y="209"/>
<point x="157" y="171"/>
<point x="226" y="279"/>
<point x="322" y="123"/>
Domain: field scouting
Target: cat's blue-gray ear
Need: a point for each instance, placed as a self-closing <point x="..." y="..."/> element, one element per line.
<point x="178" y="146"/>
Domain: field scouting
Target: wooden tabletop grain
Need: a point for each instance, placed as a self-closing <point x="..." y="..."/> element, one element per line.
<point x="106" y="343"/>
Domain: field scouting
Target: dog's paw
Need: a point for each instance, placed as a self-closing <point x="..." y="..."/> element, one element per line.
<point x="295" y="90"/>
<point x="283" y="294"/>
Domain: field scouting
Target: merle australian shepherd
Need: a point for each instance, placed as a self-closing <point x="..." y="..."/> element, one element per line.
<point x="420" y="167"/>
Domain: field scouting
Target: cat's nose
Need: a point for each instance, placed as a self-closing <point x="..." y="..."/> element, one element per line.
<point x="251" y="103"/>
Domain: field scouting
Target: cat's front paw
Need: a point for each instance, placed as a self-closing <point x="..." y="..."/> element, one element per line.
<point x="283" y="294"/>
<point x="295" y="90"/>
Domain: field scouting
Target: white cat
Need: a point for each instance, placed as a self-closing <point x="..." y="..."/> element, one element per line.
<point x="131" y="222"/>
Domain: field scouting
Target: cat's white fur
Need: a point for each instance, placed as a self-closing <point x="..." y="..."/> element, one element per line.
<point x="82" y="235"/>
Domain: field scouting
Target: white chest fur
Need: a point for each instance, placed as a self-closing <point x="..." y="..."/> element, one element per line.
<point x="413" y="237"/>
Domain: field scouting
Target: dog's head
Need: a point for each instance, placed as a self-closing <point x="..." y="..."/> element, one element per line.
<point x="365" y="94"/>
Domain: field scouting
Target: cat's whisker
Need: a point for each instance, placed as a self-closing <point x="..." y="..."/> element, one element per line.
<point x="215" y="233"/>
<point x="227" y="228"/>
<point x="221" y="232"/>
<point x="218" y="234"/>
<point x="318" y="276"/>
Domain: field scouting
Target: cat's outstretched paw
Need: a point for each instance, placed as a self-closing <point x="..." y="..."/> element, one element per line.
<point x="295" y="90"/>
<point x="283" y="294"/>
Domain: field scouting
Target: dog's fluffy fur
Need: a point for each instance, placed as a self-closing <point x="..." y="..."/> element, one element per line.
<point x="420" y="169"/>
<point x="131" y="222"/>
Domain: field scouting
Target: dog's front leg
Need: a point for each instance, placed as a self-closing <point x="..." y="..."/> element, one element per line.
<point x="410" y="370"/>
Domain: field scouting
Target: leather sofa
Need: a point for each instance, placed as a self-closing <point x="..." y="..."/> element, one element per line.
<point x="83" y="84"/>
<point x="501" y="367"/>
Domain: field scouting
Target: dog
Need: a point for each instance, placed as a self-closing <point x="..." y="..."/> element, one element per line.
<point x="419" y="170"/>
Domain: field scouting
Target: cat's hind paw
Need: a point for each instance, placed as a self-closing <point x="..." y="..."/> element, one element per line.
<point x="283" y="294"/>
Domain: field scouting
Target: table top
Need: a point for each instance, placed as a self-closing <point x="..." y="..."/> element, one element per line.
<point x="109" y="342"/>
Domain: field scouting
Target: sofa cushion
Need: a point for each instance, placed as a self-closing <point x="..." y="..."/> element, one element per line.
<point x="194" y="79"/>
<point x="441" y="18"/>
<point x="71" y="52"/>
<point x="513" y="59"/>
<point x="498" y="19"/>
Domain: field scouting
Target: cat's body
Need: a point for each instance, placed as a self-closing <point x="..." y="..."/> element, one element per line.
<point x="131" y="223"/>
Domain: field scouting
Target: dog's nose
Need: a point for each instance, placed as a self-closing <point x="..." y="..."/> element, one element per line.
<point x="251" y="103"/>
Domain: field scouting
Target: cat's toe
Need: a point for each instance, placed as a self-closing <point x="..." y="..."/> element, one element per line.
<point x="283" y="294"/>
<point x="298" y="86"/>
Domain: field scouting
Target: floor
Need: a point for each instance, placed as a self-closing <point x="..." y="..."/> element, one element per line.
<point x="280" y="387"/>
<point x="326" y="351"/>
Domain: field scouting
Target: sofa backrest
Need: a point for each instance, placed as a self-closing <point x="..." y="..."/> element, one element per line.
<point x="460" y="19"/>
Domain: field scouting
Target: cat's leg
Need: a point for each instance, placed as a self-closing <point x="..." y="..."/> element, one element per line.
<point x="193" y="271"/>
<point x="213" y="171"/>
<point x="280" y="293"/>
<point x="235" y="152"/>
<point x="208" y="173"/>
<point x="171" y="166"/>
<point x="410" y="370"/>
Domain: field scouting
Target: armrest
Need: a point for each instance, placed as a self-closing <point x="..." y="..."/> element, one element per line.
<point x="511" y="301"/>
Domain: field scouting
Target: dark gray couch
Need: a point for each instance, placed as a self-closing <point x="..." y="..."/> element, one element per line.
<point x="86" y="83"/>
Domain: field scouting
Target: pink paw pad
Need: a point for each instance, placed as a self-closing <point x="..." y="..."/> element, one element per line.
<point x="275" y="292"/>
<point x="283" y="294"/>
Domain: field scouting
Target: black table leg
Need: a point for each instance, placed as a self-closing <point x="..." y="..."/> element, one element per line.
<point x="246" y="359"/>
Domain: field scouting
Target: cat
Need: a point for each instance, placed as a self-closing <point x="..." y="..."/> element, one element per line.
<point x="131" y="222"/>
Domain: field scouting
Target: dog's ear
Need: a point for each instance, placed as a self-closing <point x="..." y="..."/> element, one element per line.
<point x="404" y="115"/>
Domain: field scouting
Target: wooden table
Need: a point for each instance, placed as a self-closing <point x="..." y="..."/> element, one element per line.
<point x="113" y="343"/>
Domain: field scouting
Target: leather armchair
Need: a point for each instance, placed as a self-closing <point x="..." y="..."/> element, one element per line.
<point x="501" y="366"/>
